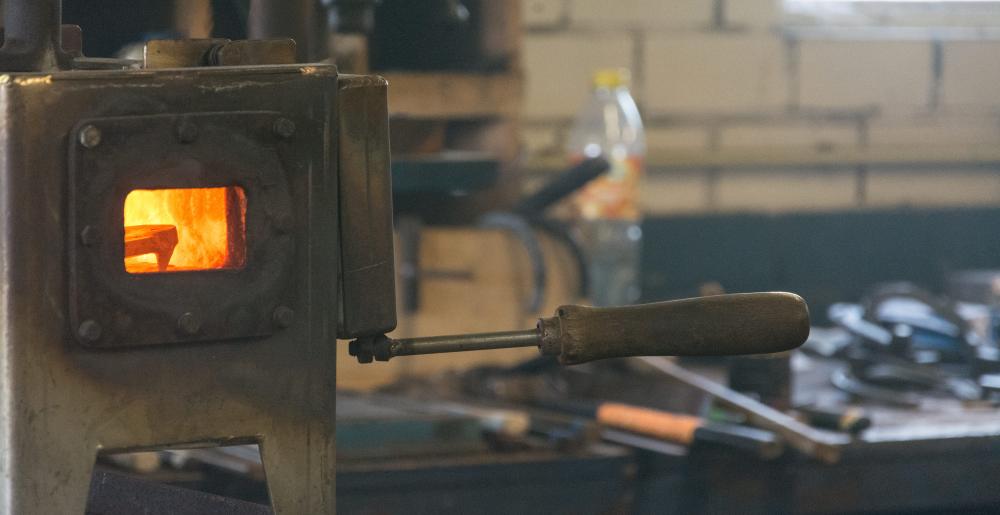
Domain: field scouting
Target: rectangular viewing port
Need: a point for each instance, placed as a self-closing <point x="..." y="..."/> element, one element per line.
<point x="183" y="230"/>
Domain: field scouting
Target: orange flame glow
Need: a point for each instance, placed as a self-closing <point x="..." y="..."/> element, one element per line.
<point x="199" y="221"/>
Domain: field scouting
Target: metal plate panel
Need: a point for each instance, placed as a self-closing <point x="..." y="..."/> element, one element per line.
<point x="112" y="308"/>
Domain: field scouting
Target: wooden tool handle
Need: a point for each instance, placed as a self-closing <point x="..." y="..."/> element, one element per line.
<point x="747" y="323"/>
<point x="649" y="422"/>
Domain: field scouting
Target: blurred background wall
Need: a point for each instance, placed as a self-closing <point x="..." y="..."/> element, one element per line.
<point x="728" y="84"/>
<point x="861" y="138"/>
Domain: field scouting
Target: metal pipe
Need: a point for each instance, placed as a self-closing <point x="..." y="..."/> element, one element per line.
<point x="296" y="19"/>
<point x="32" y="36"/>
<point x="483" y="341"/>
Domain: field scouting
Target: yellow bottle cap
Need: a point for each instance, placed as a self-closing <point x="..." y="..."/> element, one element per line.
<point x="612" y="78"/>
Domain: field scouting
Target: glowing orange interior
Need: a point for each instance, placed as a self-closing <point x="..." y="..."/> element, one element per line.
<point x="177" y="230"/>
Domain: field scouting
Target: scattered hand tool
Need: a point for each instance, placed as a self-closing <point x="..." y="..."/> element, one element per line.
<point x="908" y="345"/>
<point x="848" y="419"/>
<point x="810" y="441"/>
<point x="747" y="323"/>
<point x="686" y="429"/>
<point x="509" y="424"/>
<point x="621" y="421"/>
<point x="565" y="432"/>
<point x="844" y="379"/>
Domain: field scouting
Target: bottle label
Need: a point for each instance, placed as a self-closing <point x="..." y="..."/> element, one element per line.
<point x="614" y="195"/>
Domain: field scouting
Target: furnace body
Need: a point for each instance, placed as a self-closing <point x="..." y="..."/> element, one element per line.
<point x="98" y="359"/>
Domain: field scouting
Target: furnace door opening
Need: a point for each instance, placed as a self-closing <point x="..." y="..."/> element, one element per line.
<point x="182" y="230"/>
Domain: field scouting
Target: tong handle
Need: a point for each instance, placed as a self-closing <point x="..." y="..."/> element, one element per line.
<point x="746" y="323"/>
<point x="562" y="186"/>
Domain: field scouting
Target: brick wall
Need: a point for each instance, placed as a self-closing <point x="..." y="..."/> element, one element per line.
<point x="751" y="109"/>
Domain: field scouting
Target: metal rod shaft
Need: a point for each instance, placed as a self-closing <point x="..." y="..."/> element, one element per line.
<point x="747" y="323"/>
<point x="460" y="343"/>
<point x="809" y="441"/>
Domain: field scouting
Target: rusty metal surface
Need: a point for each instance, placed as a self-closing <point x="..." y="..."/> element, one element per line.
<point x="367" y="264"/>
<point x="255" y="52"/>
<point x="165" y="151"/>
<point x="178" y="53"/>
<point x="62" y="403"/>
<point x="118" y="494"/>
<point x="33" y="36"/>
<point x="183" y="53"/>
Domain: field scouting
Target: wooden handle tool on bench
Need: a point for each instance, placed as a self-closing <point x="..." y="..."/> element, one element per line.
<point x="742" y="323"/>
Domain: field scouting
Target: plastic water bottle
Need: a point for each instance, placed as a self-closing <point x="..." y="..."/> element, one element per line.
<point x="607" y="209"/>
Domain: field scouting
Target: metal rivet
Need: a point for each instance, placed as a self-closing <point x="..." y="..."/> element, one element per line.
<point x="187" y="132"/>
<point x="189" y="324"/>
<point x="89" y="236"/>
<point x="89" y="331"/>
<point x="90" y="136"/>
<point x="284" y="128"/>
<point x="283" y="316"/>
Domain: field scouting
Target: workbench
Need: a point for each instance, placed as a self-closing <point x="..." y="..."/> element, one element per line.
<point x="396" y="458"/>
<point x="945" y="458"/>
